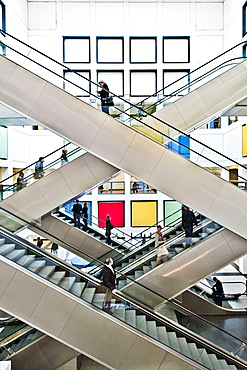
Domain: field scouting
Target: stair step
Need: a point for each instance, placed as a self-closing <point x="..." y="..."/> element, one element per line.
<point x="67" y="282"/>
<point x="119" y="313"/>
<point x="26" y="260"/>
<point x="215" y="362"/>
<point x="57" y="277"/>
<point x="6" y="248"/>
<point x="153" y="264"/>
<point x="173" y="340"/>
<point x="184" y="348"/>
<point x="141" y="323"/>
<point x="205" y="359"/>
<point x="15" y="254"/>
<point x="146" y="269"/>
<point x="36" y="265"/>
<point x="193" y="350"/>
<point x="178" y="250"/>
<point x="2" y="240"/>
<point x="162" y="334"/>
<point x="152" y="329"/>
<point x="98" y="299"/>
<point x="130" y="317"/>
<point x="138" y="273"/>
<point x="88" y="294"/>
<point x="77" y="288"/>
<point x="46" y="271"/>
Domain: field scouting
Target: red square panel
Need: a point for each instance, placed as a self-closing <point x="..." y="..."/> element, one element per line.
<point x="115" y="210"/>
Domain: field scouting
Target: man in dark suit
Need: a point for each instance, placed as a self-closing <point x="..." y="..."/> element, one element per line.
<point x="77" y="210"/>
<point x="109" y="280"/>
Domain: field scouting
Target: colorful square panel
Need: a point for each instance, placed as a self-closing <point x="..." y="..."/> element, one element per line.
<point x="172" y="212"/>
<point x="115" y="210"/>
<point x="143" y="214"/>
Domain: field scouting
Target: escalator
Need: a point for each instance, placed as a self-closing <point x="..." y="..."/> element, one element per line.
<point x="127" y="149"/>
<point x="66" y="304"/>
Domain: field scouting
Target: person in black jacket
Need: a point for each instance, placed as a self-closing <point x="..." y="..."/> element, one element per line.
<point x="188" y="220"/>
<point x="85" y="216"/>
<point x="77" y="210"/>
<point x="108" y="228"/>
<point x="218" y="292"/>
<point x="104" y="93"/>
<point x="109" y="280"/>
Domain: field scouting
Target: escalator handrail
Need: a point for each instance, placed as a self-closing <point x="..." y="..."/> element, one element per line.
<point x="133" y="105"/>
<point x="88" y="276"/>
<point x="176" y="327"/>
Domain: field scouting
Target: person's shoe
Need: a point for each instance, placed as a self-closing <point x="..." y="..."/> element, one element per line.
<point x="107" y="309"/>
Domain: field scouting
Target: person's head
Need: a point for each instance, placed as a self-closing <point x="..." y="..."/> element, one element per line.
<point x="215" y="279"/>
<point x="108" y="217"/>
<point x="143" y="103"/>
<point x="109" y="261"/>
<point x="38" y="238"/>
<point x="41" y="159"/>
<point x="77" y="201"/>
<point x="21" y="173"/>
<point x="85" y="204"/>
<point x="185" y="207"/>
<point x="65" y="151"/>
<point x="159" y="228"/>
<point x="101" y="83"/>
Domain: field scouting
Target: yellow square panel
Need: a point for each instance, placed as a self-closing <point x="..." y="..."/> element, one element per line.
<point x="143" y="213"/>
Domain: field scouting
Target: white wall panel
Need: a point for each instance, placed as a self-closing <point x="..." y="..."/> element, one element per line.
<point x="205" y="53"/>
<point x="143" y="18"/>
<point x="209" y="16"/>
<point x="75" y="16"/>
<point x="176" y="16"/>
<point x="42" y="16"/>
<point x="109" y="17"/>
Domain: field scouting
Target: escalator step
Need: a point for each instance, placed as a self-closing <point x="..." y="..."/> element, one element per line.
<point x="119" y="313"/>
<point x="26" y="260"/>
<point x="2" y="240"/>
<point x="146" y="269"/>
<point x="141" y="323"/>
<point x="67" y="282"/>
<point x="130" y="317"/>
<point x="215" y="361"/>
<point x="98" y="299"/>
<point x="162" y="334"/>
<point x="193" y="350"/>
<point x="153" y="264"/>
<point x="88" y="294"/>
<point x="77" y="288"/>
<point x="138" y="273"/>
<point x="15" y="254"/>
<point x="36" y="265"/>
<point x="46" y="271"/>
<point x="173" y="340"/>
<point x="184" y="348"/>
<point x="152" y="329"/>
<point x="57" y="277"/>
<point x="205" y="359"/>
<point x="6" y="248"/>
